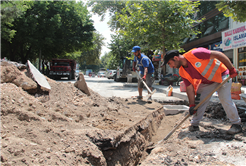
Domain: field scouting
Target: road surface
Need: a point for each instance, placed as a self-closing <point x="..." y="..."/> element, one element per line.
<point x="109" y="88"/>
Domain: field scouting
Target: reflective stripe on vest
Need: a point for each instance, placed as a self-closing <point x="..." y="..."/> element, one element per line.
<point x="141" y="63"/>
<point x="210" y="69"/>
<point x="215" y="68"/>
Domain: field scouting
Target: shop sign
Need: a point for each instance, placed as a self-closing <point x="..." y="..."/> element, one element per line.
<point x="242" y="72"/>
<point x="158" y="57"/>
<point x="216" y="46"/>
<point x="234" y="38"/>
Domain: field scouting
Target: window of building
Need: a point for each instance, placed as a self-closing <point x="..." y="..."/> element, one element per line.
<point x="213" y="25"/>
<point x="242" y="62"/>
<point x="209" y="30"/>
<point x="205" y="7"/>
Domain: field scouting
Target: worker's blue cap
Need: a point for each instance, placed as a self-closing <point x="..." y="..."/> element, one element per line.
<point x="135" y="48"/>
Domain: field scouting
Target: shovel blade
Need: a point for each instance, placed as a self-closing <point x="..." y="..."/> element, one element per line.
<point x="150" y="94"/>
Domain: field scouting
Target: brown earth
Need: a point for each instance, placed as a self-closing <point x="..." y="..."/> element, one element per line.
<point x="67" y="127"/>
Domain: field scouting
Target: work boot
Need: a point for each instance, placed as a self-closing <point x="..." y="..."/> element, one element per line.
<point x="193" y="128"/>
<point x="140" y="97"/>
<point x="149" y="100"/>
<point x="235" y="128"/>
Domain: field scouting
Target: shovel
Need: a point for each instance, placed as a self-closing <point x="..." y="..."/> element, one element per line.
<point x="196" y="107"/>
<point x="150" y="92"/>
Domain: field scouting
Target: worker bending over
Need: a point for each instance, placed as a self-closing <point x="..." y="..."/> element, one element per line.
<point x="202" y="70"/>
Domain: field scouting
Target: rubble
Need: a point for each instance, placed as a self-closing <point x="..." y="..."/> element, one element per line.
<point x="67" y="126"/>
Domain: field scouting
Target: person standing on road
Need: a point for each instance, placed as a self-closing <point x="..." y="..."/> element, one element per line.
<point x="147" y="69"/>
<point x="202" y="70"/>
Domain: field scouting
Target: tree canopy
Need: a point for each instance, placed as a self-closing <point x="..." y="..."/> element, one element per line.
<point x="52" y="28"/>
<point x="91" y="55"/>
<point x="10" y="10"/>
<point x="153" y="25"/>
<point x="158" y="24"/>
<point x="234" y="9"/>
<point x="101" y="7"/>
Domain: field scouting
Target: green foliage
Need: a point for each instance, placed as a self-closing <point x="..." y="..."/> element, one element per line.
<point x="105" y="60"/>
<point x="91" y="55"/>
<point x="10" y="10"/>
<point x="120" y="46"/>
<point x="158" y="24"/>
<point x="52" y="28"/>
<point x="101" y="7"/>
<point x="234" y="9"/>
<point x="152" y="25"/>
<point x="109" y="61"/>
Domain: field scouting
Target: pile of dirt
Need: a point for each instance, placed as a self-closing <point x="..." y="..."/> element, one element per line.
<point x="65" y="126"/>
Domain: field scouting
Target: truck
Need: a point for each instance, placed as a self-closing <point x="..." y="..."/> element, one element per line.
<point x="62" y="68"/>
<point x="124" y="71"/>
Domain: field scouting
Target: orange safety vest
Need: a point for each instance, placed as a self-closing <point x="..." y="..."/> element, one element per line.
<point x="210" y="69"/>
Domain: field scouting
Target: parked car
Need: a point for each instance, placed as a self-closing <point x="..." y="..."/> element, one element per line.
<point x="110" y="74"/>
<point x="101" y="74"/>
<point x="93" y="74"/>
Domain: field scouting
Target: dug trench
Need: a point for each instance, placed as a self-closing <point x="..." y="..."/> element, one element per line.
<point x="68" y="127"/>
<point x="196" y="149"/>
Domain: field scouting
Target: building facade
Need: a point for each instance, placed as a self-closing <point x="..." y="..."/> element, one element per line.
<point x="222" y="34"/>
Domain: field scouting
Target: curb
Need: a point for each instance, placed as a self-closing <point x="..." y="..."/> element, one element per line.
<point x="180" y="95"/>
<point x="163" y="90"/>
<point x="174" y="93"/>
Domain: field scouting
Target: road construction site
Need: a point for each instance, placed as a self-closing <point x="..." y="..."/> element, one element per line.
<point x="71" y="124"/>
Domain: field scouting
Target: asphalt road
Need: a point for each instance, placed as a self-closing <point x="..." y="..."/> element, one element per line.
<point x="109" y="88"/>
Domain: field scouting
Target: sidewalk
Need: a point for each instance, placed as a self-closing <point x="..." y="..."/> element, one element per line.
<point x="183" y="95"/>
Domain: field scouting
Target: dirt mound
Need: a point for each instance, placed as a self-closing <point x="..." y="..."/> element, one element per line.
<point x="67" y="127"/>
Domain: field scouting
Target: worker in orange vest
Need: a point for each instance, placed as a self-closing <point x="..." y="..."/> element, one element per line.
<point x="202" y="70"/>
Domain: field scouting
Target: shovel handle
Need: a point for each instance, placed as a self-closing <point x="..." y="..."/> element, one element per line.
<point x="211" y="93"/>
<point x="144" y="83"/>
<point x="196" y="107"/>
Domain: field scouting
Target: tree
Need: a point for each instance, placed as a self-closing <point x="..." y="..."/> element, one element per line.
<point x="10" y="10"/>
<point x="105" y="61"/>
<point x="50" y="29"/>
<point x="101" y="7"/>
<point x="91" y="55"/>
<point x="234" y="9"/>
<point x="120" y="47"/>
<point x="158" y="24"/>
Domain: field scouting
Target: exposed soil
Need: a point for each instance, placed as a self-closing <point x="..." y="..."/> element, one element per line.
<point x="67" y="127"/>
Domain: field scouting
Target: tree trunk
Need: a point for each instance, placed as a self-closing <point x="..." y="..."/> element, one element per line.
<point x="39" y="61"/>
<point x="11" y="54"/>
<point x="164" y="66"/>
<point x="42" y="66"/>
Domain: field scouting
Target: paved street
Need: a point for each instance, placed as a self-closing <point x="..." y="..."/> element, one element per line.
<point x="108" y="88"/>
